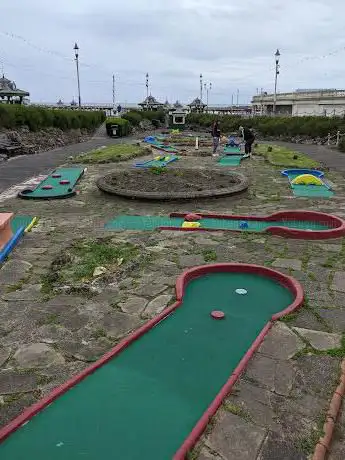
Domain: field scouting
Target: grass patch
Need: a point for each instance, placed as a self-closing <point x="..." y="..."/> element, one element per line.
<point x="289" y="318"/>
<point x="17" y="286"/>
<point x="78" y="262"/>
<point x="87" y="255"/>
<point x="112" y="154"/>
<point x="209" y="255"/>
<point x="281" y="156"/>
<point x="237" y="410"/>
<point x="98" y="333"/>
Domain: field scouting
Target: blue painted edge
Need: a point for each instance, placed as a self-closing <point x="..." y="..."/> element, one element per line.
<point x="146" y="164"/>
<point x="314" y="172"/>
<point x="11" y="244"/>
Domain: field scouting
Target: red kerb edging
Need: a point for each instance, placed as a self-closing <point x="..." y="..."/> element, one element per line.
<point x="181" y="283"/>
<point x="337" y="224"/>
<point x="323" y="446"/>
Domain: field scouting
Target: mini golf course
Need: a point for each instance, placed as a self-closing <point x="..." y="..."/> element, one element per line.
<point x="289" y="224"/>
<point x="232" y="156"/>
<point x="152" y="396"/>
<point x="160" y="145"/>
<point x="158" y="162"/>
<point x="59" y="184"/>
<point x="18" y="226"/>
<point x="308" y="188"/>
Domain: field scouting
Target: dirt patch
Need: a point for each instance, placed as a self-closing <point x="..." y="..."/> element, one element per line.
<point x="164" y="183"/>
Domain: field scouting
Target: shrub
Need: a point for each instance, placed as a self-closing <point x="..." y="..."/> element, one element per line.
<point x="133" y="117"/>
<point x="123" y="124"/>
<point x="13" y="116"/>
<point x="136" y="116"/>
<point x="268" y="126"/>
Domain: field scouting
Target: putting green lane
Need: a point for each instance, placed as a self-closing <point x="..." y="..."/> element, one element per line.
<point x="154" y="222"/>
<point x="72" y="175"/>
<point x="145" y="402"/>
<point x="230" y="160"/>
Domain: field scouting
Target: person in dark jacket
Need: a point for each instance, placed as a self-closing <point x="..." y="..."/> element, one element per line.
<point x="249" y="138"/>
<point x="216" y="137"/>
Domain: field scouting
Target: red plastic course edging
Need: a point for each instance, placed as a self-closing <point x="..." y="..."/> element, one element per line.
<point x="337" y="224"/>
<point x="181" y="283"/>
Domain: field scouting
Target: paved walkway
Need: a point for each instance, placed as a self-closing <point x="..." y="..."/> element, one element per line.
<point x="23" y="167"/>
<point x="333" y="159"/>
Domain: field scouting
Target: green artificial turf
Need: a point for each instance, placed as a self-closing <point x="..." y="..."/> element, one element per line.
<point x="153" y="222"/>
<point x="232" y="150"/>
<point x="230" y="160"/>
<point x="19" y="221"/>
<point x="71" y="174"/>
<point x="144" y="403"/>
<point x="158" y="163"/>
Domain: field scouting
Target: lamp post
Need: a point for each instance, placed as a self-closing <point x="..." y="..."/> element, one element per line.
<point x="76" y="51"/>
<point x="207" y="89"/>
<point x="147" y="91"/>
<point x="201" y="87"/>
<point x="277" y="56"/>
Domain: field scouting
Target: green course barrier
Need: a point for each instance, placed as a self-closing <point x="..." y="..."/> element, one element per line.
<point x="59" y="184"/>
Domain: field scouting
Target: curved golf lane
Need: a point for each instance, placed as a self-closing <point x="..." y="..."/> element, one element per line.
<point x="145" y="401"/>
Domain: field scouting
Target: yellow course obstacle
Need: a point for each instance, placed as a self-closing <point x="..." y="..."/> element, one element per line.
<point x="307" y="179"/>
<point x="191" y="224"/>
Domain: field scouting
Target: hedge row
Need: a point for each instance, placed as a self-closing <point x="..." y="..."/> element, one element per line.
<point x="13" y="116"/>
<point x="269" y="126"/>
<point x="124" y="127"/>
<point x="136" y="116"/>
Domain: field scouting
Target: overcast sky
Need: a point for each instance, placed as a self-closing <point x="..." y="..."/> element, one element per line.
<point x="231" y="42"/>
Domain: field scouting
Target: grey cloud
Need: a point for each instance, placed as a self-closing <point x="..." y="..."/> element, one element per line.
<point x="231" y="43"/>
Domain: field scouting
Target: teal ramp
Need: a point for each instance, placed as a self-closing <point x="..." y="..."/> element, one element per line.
<point x="308" y="191"/>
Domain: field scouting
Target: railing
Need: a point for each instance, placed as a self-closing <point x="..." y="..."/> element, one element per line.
<point x="335" y="137"/>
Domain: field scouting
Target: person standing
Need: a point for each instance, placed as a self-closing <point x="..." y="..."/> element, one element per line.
<point x="216" y="137"/>
<point x="249" y="138"/>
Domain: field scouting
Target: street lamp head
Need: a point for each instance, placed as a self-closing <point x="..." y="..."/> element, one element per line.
<point x="277" y="53"/>
<point x="76" y="47"/>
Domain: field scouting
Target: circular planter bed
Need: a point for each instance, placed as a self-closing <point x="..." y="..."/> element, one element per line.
<point x="172" y="184"/>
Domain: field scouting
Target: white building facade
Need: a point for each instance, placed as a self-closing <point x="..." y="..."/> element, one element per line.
<point x="323" y="102"/>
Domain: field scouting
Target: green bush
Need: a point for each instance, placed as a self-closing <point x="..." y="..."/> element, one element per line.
<point x="13" y="116"/>
<point x="133" y="117"/>
<point x="269" y="126"/>
<point x="136" y="116"/>
<point x="123" y="124"/>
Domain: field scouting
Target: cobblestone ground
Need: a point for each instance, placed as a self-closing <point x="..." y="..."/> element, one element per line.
<point x="277" y="409"/>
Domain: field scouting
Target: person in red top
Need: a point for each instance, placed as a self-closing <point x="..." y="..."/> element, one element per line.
<point x="216" y="137"/>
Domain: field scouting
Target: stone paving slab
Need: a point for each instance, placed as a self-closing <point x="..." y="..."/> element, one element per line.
<point x="235" y="439"/>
